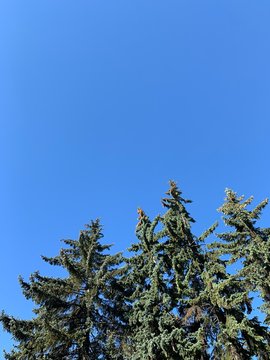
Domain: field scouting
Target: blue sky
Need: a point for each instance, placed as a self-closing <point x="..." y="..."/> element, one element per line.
<point x="102" y="102"/>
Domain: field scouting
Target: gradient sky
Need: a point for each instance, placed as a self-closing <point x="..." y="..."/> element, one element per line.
<point x="102" y="102"/>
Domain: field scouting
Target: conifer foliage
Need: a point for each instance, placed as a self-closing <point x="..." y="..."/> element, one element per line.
<point x="173" y="297"/>
<point x="166" y="272"/>
<point x="78" y="317"/>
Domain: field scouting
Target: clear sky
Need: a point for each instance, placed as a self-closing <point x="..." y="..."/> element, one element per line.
<point x="102" y="102"/>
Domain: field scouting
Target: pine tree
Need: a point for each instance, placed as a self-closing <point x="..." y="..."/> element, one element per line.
<point x="81" y="316"/>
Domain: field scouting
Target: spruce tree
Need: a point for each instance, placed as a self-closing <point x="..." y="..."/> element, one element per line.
<point x="231" y="333"/>
<point x="186" y="305"/>
<point x="174" y="299"/>
<point x="248" y="243"/>
<point x="81" y="316"/>
<point x="165" y="272"/>
<point x="234" y="334"/>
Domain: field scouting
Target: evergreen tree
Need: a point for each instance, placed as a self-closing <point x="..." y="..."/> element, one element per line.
<point x="186" y="305"/>
<point x="165" y="272"/>
<point x="235" y="335"/>
<point x="81" y="316"/>
<point x="231" y="334"/>
<point x="247" y="243"/>
<point x="174" y="299"/>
